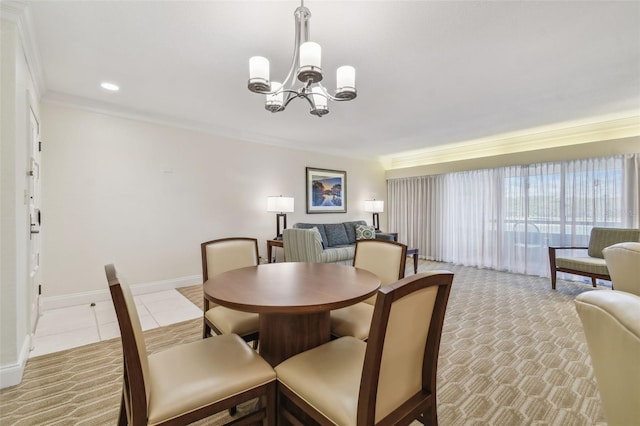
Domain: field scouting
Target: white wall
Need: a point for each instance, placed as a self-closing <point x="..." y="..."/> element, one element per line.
<point x="17" y="96"/>
<point x="144" y="196"/>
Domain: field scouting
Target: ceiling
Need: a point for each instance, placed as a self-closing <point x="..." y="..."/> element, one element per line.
<point x="428" y="73"/>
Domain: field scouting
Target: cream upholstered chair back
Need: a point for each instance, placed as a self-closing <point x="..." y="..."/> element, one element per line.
<point x="623" y="262"/>
<point x="402" y="351"/>
<point x="220" y="256"/>
<point x="611" y="322"/>
<point x="136" y="362"/>
<point x="225" y="254"/>
<point x="386" y="259"/>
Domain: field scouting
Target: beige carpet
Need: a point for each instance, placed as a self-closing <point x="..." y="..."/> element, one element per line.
<point x="512" y="353"/>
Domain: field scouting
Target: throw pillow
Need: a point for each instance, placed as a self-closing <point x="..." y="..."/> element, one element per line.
<point x="350" y="227"/>
<point x="336" y="234"/>
<point x="365" y="232"/>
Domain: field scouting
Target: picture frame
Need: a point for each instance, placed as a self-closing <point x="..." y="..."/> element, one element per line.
<point x="326" y="190"/>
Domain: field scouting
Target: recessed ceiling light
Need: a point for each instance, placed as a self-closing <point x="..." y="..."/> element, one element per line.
<point x="109" y="86"/>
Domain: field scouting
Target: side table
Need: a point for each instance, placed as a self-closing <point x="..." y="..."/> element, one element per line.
<point x="270" y="245"/>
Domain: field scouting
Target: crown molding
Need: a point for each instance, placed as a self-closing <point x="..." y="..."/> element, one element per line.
<point x="99" y="107"/>
<point x="19" y="13"/>
<point x="564" y="134"/>
<point x="244" y="135"/>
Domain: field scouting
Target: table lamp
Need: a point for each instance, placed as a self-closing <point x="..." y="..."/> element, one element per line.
<point x="280" y="205"/>
<point x="375" y="207"/>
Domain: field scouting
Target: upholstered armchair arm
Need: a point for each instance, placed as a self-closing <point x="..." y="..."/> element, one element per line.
<point x="552" y="254"/>
<point x="302" y="245"/>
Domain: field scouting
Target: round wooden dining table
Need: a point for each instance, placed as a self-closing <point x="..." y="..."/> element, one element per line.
<point x="293" y="300"/>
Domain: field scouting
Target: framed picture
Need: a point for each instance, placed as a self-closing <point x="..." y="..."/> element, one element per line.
<point x="326" y="191"/>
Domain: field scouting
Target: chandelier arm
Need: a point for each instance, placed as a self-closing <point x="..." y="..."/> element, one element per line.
<point x="329" y="96"/>
<point x="301" y="15"/>
<point x="291" y="95"/>
<point x="288" y="100"/>
<point x="311" y="102"/>
<point x="296" y="49"/>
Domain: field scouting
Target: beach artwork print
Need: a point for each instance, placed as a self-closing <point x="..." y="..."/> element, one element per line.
<point x="326" y="191"/>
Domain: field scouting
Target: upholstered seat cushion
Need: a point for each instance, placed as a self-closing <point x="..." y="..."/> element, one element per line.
<point x="328" y="378"/>
<point x="231" y="321"/>
<point x="354" y="320"/>
<point x="336" y="254"/>
<point x="194" y="375"/>
<point x="593" y="265"/>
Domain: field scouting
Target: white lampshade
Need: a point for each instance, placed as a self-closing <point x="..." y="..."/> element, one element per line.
<point x="319" y="98"/>
<point x="310" y="54"/>
<point x="345" y="76"/>
<point x="374" y="206"/>
<point x="259" y="68"/>
<point x="278" y="98"/>
<point x="280" y="204"/>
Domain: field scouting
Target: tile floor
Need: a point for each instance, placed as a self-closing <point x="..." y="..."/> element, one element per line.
<point x="65" y="328"/>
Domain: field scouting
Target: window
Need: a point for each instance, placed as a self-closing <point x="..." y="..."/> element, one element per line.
<point x="506" y="218"/>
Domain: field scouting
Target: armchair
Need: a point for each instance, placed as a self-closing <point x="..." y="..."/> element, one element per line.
<point x="611" y="322"/>
<point x="593" y="265"/>
<point x="623" y="262"/>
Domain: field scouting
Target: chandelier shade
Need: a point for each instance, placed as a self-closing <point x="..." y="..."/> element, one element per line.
<point x="306" y="68"/>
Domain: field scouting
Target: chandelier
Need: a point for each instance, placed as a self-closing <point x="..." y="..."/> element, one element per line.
<point x="306" y="67"/>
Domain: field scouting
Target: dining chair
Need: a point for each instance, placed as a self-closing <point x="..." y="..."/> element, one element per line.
<point x="389" y="380"/>
<point x="220" y="256"/>
<point x="190" y="381"/>
<point x="387" y="260"/>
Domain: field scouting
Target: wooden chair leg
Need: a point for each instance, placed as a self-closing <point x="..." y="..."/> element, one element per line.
<point x="552" y="267"/>
<point x="430" y="416"/>
<point x="122" y="417"/>
<point x="206" y="331"/>
<point x="271" y="405"/>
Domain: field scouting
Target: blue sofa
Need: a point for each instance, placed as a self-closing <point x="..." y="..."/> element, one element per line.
<point x="332" y="242"/>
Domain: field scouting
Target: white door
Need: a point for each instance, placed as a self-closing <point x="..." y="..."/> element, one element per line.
<point x="35" y="220"/>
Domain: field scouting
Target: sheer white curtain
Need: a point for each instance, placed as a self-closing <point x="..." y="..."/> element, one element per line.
<point x="506" y="218"/>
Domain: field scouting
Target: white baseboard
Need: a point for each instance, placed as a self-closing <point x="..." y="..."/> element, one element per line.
<point x="11" y="374"/>
<point x="85" y="298"/>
